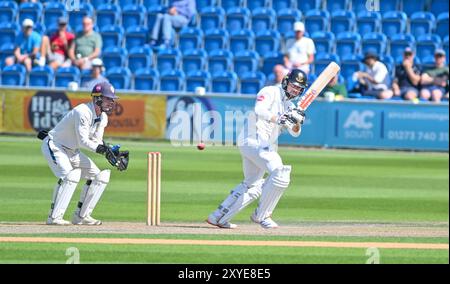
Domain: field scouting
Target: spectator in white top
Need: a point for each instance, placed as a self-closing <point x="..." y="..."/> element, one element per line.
<point x="301" y="54"/>
<point x="375" y="80"/>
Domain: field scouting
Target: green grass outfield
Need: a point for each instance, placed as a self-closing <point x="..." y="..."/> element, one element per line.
<point x="327" y="185"/>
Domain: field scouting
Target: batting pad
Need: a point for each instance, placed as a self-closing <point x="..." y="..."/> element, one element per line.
<point x="64" y="193"/>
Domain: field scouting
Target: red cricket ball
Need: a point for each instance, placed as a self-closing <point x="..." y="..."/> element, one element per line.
<point x="201" y="146"/>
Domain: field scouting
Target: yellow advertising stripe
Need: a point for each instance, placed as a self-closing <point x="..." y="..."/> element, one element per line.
<point x="130" y="241"/>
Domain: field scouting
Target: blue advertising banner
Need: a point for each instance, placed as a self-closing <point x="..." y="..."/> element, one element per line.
<point x="328" y="124"/>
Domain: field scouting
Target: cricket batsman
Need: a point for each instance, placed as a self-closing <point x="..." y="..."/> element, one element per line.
<point x="82" y="127"/>
<point x="274" y="112"/>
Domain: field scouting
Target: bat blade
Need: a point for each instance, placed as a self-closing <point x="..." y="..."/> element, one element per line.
<point x="319" y="84"/>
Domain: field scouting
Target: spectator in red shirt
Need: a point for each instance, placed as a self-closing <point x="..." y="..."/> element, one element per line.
<point x="56" y="47"/>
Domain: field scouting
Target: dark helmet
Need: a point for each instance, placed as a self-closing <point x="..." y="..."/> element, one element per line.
<point x="297" y="80"/>
<point x="104" y="90"/>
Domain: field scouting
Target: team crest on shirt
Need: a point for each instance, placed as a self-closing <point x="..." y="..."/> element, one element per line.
<point x="260" y="98"/>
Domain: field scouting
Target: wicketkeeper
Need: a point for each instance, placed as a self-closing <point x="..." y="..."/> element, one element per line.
<point x="274" y="112"/>
<point x="82" y="127"/>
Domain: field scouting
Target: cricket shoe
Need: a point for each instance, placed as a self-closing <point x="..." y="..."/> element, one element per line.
<point x="57" y="221"/>
<point x="267" y="223"/>
<point x="213" y="221"/>
<point x="88" y="220"/>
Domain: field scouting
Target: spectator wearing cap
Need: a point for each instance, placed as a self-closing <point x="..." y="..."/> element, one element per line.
<point x="96" y="74"/>
<point x="27" y="46"/>
<point x="56" y="48"/>
<point x="435" y="80"/>
<point x="407" y="79"/>
<point x="301" y="54"/>
<point x="86" y="46"/>
<point x="178" y="15"/>
<point x="375" y="79"/>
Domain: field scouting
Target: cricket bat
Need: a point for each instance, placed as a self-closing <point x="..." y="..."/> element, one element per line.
<point x="319" y="84"/>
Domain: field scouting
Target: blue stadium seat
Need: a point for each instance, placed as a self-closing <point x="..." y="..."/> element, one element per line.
<point x="324" y="41"/>
<point x="322" y="60"/>
<point x="13" y="75"/>
<point x="411" y="7"/>
<point x="136" y="36"/>
<point x="270" y="60"/>
<point x="41" y="76"/>
<point x="224" y="82"/>
<point x="140" y="57"/>
<point x="342" y="21"/>
<point x="307" y="5"/>
<point x="65" y="75"/>
<point x="172" y="80"/>
<point x="445" y="47"/>
<point x="393" y="23"/>
<point x="426" y="45"/>
<point x="124" y="3"/>
<point x="220" y="61"/>
<point x="252" y="82"/>
<point x="168" y="59"/>
<point x="189" y="39"/>
<point x="114" y="57"/>
<point x="379" y="6"/>
<point x="389" y="5"/>
<point x="263" y="19"/>
<point x="9" y="32"/>
<point x="133" y="15"/>
<point x="279" y="5"/>
<point x="439" y="6"/>
<point x="8" y="11"/>
<point x="52" y="11"/>
<point x="216" y="39"/>
<point x="230" y="4"/>
<point x="427" y="63"/>
<point x="242" y="40"/>
<point x="286" y="19"/>
<point x="152" y="11"/>
<point x="112" y="36"/>
<point x="349" y="65"/>
<point x="374" y="42"/>
<point x="97" y="3"/>
<point x="6" y="50"/>
<point x="194" y="60"/>
<point x="196" y="79"/>
<point x="347" y="43"/>
<point x="245" y="61"/>
<point x="335" y="5"/>
<point x="119" y="77"/>
<point x="398" y="43"/>
<point x="146" y="79"/>
<point x="237" y="19"/>
<point x="206" y="3"/>
<point x="422" y="23"/>
<point x="267" y="42"/>
<point x="152" y="3"/>
<point x="253" y="4"/>
<point x="107" y="14"/>
<point x="368" y="22"/>
<point x="76" y="17"/>
<point x="442" y="25"/>
<point x="212" y="18"/>
<point x="86" y="76"/>
<point x="30" y="10"/>
<point x="317" y="21"/>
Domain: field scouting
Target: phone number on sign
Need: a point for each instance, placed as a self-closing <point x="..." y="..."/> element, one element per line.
<point x="417" y="136"/>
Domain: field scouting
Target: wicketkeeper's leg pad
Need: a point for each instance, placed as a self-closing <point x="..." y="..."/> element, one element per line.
<point x="63" y="193"/>
<point x="92" y="192"/>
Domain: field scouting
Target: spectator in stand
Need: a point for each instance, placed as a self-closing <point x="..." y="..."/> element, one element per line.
<point x="435" y="81"/>
<point x="335" y="90"/>
<point x="55" y="49"/>
<point x="86" y="46"/>
<point x="375" y="79"/>
<point x="301" y="54"/>
<point x="27" y="46"/>
<point x="96" y="73"/>
<point x="178" y="15"/>
<point x="279" y="71"/>
<point x="407" y="79"/>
